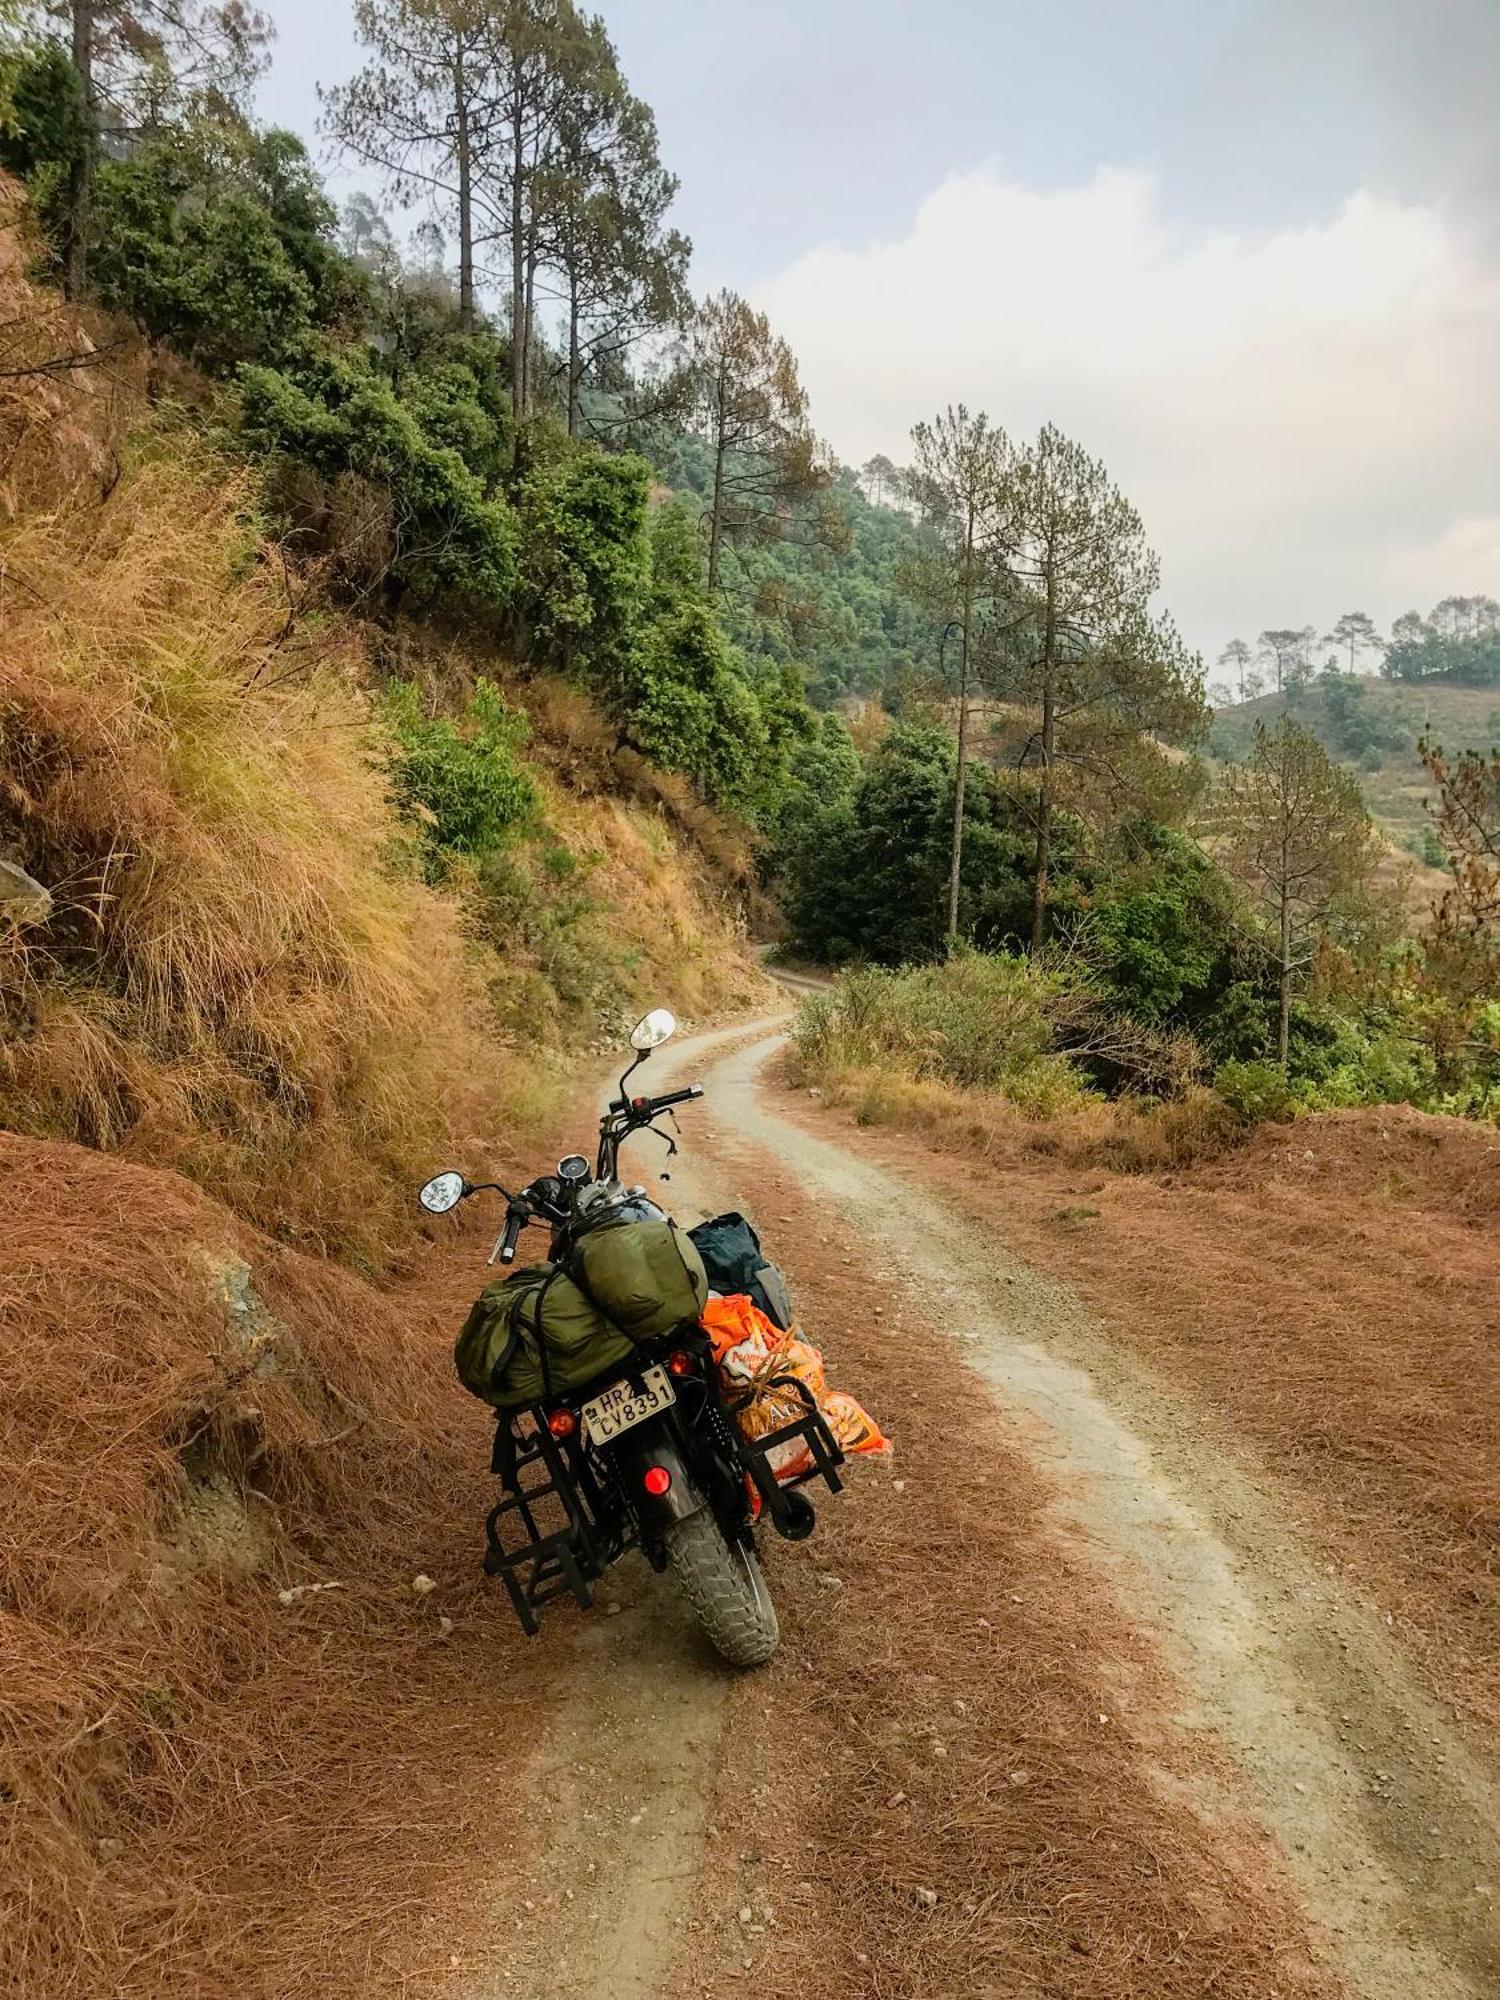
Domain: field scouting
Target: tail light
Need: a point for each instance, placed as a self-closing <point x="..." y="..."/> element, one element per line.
<point x="657" y="1481"/>
<point x="681" y="1364"/>
<point x="562" y="1423"/>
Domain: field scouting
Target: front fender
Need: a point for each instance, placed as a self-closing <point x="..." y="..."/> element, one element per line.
<point x="634" y="1455"/>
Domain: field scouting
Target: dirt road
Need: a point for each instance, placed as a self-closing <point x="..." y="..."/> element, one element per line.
<point x="1277" y="1740"/>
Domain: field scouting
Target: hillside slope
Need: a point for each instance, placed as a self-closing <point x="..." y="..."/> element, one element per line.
<point x="267" y="1008"/>
<point x="225" y="1466"/>
<point x="255" y="968"/>
<point x="1374" y="727"/>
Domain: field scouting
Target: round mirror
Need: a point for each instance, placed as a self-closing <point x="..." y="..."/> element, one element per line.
<point x="574" y="1168"/>
<point x="442" y="1192"/>
<point x="658" y="1026"/>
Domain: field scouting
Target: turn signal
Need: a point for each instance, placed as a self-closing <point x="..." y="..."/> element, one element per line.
<point x="562" y="1423"/>
<point x="657" y="1481"/>
<point x="680" y="1364"/>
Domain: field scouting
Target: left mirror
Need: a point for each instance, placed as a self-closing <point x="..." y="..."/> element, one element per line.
<point x="657" y="1027"/>
<point x="442" y="1192"/>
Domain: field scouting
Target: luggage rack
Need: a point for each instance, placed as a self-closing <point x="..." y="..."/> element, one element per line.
<point x="791" y="1514"/>
<point x="540" y="1472"/>
<point x="550" y="1562"/>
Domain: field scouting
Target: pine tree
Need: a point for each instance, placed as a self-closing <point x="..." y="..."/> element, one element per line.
<point x="743" y="397"/>
<point x="955" y="477"/>
<point x="1293" y="826"/>
<point x="1085" y="655"/>
<point x="421" y="110"/>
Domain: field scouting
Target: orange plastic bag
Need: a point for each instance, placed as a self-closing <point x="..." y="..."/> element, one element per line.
<point x="754" y="1356"/>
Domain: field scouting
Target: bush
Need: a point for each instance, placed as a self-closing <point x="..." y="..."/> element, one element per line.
<point x="978" y="1023"/>
<point x="584" y="556"/>
<point x="1255" y="1091"/>
<point x="329" y="410"/>
<point x="462" y="780"/>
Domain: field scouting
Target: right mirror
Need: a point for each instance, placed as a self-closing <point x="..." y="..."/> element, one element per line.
<point x="442" y="1192"/>
<point x="655" y="1028"/>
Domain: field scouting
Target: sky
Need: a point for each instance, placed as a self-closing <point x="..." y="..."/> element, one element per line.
<point x="1246" y="251"/>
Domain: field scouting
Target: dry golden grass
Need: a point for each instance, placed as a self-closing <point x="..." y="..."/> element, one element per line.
<point x="1130" y="1135"/>
<point x="236" y="981"/>
<point x="72" y="384"/>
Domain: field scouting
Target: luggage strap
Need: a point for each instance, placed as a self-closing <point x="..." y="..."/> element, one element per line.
<point x="538" y="1332"/>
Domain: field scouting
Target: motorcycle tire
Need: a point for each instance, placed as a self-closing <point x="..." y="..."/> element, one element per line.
<point x="725" y="1587"/>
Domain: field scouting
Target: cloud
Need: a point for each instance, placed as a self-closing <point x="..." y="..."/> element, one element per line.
<point x="1423" y="77"/>
<point x="1306" y="418"/>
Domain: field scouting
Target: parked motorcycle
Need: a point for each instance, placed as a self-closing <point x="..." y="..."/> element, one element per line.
<point x="647" y="1455"/>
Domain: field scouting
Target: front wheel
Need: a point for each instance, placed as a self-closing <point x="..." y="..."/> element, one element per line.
<point x="725" y="1588"/>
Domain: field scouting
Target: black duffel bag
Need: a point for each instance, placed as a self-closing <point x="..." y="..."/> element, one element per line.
<point x="738" y="1267"/>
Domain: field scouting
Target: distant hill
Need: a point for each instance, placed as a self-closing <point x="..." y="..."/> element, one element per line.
<point x="1373" y="727"/>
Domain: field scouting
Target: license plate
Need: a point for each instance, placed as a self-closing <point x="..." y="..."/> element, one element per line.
<point x="623" y="1405"/>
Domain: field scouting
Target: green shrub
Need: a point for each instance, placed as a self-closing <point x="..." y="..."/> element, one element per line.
<point x="462" y="782"/>
<point x="1255" y="1090"/>
<point x="976" y="1022"/>
<point x="584" y="556"/>
<point x="329" y="410"/>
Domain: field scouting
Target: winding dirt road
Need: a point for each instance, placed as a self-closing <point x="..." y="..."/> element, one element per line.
<point x="1277" y="1704"/>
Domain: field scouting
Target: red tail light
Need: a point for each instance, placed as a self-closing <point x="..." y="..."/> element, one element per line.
<point x="680" y="1364"/>
<point x="658" y="1480"/>
<point x="562" y="1423"/>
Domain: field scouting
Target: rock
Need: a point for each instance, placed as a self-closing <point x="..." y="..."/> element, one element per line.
<point x="300" y="1590"/>
<point x="111" y="1850"/>
<point x="445" y="1626"/>
<point x="422" y="1586"/>
<point x="747" y="1915"/>
<point x="928" y="1898"/>
<point x="1018" y="1777"/>
<point x="22" y="897"/>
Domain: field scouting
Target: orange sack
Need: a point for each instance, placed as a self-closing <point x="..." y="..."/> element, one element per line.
<point x="754" y="1357"/>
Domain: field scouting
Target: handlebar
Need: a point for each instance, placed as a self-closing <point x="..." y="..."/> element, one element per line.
<point x="665" y="1102"/>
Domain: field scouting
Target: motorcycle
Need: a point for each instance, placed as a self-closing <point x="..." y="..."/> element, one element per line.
<point x="648" y="1455"/>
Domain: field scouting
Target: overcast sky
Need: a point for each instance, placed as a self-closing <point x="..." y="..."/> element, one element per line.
<point x="1247" y="251"/>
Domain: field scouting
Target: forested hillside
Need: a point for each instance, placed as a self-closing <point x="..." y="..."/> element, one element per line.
<point x="1373" y="727"/>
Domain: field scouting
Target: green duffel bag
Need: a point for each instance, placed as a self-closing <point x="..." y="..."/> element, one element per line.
<point x="532" y="1335"/>
<point x="646" y="1277"/>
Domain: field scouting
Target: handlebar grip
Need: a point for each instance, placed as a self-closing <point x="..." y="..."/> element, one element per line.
<point x="515" y="1221"/>
<point x="677" y="1097"/>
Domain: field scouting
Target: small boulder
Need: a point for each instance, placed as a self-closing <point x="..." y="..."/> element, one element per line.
<point x="22" y="898"/>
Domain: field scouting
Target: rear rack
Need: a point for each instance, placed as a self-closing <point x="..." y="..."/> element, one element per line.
<point x="553" y="1560"/>
<point x="794" y="1518"/>
<point x="546" y="1538"/>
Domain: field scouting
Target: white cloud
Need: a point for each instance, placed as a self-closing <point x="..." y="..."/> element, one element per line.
<point x="1306" y="419"/>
